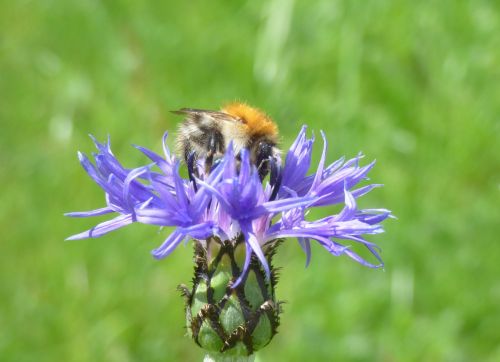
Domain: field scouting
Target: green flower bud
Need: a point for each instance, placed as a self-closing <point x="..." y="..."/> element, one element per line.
<point x="232" y="321"/>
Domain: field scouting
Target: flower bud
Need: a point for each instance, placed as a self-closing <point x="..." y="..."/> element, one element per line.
<point x="234" y="321"/>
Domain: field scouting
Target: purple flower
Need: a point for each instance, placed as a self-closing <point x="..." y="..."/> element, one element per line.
<point x="124" y="193"/>
<point x="232" y="200"/>
<point x="242" y="197"/>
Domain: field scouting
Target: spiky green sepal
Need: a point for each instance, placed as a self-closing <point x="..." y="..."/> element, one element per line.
<point x="233" y="321"/>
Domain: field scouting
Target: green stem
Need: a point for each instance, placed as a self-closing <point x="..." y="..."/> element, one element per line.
<point x="218" y="357"/>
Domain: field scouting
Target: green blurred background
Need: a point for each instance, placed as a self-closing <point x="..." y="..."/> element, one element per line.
<point x="413" y="84"/>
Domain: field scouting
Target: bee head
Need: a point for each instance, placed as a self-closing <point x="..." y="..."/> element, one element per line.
<point x="263" y="153"/>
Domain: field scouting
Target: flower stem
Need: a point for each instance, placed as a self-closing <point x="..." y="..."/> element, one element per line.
<point x="218" y="357"/>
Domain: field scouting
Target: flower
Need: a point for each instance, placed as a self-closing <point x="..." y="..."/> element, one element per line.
<point x="231" y="201"/>
<point x="237" y="222"/>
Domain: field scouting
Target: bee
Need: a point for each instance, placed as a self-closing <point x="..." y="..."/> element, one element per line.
<point x="207" y="134"/>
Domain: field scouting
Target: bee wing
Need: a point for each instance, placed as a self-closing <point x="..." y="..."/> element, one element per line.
<point x="196" y="114"/>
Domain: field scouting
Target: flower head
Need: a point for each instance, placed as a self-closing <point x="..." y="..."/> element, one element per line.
<point x="232" y="201"/>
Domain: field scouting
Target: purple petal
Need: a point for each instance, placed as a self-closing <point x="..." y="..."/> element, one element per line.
<point x="252" y="240"/>
<point x="104" y="228"/>
<point x="168" y="245"/>
<point x="166" y="151"/>
<point x="305" y="244"/>
<point x="126" y="185"/>
<point x="162" y="217"/>
<point x="91" y="170"/>
<point x="360" y="260"/>
<point x="287" y="204"/>
<point x="96" y="212"/>
<point x="350" y="206"/>
<point x="200" y="231"/>
<point x="321" y="165"/>
<point x="246" y="264"/>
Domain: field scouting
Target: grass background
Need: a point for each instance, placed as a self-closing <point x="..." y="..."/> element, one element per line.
<point x="413" y="84"/>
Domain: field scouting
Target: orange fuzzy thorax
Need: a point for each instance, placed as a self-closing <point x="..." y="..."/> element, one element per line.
<point x="257" y="122"/>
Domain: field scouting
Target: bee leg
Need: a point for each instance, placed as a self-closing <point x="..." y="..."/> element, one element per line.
<point x="215" y="145"/>
<point x="191" y="171"/>
<point x="275" y="177"/>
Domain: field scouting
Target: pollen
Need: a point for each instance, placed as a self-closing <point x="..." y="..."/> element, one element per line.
<point x="257" y="122"/>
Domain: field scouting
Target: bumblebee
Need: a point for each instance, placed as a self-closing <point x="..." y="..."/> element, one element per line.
<point x="207" y="134"/>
